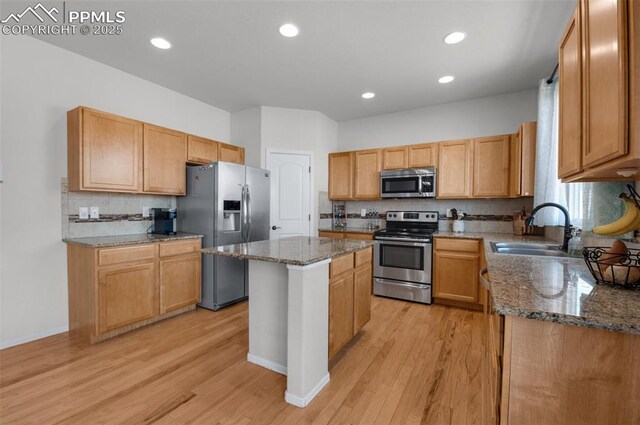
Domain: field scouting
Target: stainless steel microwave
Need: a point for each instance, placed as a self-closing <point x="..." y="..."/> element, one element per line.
<point x="408" y="183"/>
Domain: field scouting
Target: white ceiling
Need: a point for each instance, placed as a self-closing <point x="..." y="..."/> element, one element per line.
<point x="230" y="54"/>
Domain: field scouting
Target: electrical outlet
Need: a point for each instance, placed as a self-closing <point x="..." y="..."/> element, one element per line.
<point x="363" y="212"/>
<point x="83" y="213"/>
<point x="94" y="212"/>
<point x="145" y="212"/>
<point x="449" y="214"/>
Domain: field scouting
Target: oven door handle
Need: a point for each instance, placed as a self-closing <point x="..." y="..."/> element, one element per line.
<point x="404" y="241"/>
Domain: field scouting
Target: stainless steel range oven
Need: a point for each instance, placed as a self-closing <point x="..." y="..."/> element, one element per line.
<point x="408" y="183"/>
<point x="403" y="256"/>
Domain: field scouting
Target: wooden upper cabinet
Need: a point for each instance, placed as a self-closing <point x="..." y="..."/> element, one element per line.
<point x="454" y="169"/>
<point x="201" y="150"/>
<point x="230" y="153"/>
<point x="341" y="167"/>
<point x="104" y="151"/>
<point x="423" y="155"/>
<point x="366" y="182"/>
<point x="528" y="134"/>
<point x="395" y="158"/>
<point x="570" y="99"/>
<point x="605" y="80"/>
<point x="522" y="160"/>
<point x="491" y="166"/>
<point x="165" y="156"/>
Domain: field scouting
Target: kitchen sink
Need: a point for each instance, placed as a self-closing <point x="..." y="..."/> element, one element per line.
<point x="521" y="248"/>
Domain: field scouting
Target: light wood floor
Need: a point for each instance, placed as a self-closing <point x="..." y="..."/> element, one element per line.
<point x="411" y="364"/>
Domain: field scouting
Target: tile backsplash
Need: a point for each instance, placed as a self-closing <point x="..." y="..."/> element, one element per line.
<point x="120" y="213"/>
<point x="483" y="215"/>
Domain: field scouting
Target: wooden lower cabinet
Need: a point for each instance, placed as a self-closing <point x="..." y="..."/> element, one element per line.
<point x="176" y="282"/>
<point x="456" y="263"/>
<point x="350" y="287"/>
<point x="126" y="295"/>
<point x="114" y="290"/>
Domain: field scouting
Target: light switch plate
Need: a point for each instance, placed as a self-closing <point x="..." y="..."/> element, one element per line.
<point x="94" y="212"/>
<point x="363" y="212"/>
<point x="145" y="212"/>
<point x="83" y="213"/>
<point x="449" y="214"/>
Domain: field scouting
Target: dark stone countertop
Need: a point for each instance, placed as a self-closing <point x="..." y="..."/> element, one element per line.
<point x="297" y="251"/>
<point x="134" y="239"/>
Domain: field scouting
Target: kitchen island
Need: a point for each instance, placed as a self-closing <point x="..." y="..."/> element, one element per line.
<point x="289" y="307"/>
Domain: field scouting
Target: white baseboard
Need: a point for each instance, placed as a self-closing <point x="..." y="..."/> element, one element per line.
<point x="33" y="337"/>
<point x="306" y="399"/>
<point x="267" y="364"/>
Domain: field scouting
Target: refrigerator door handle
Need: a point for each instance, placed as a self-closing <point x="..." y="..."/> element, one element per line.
<point x="248" y="197"/>
<point x="243" y="206"/>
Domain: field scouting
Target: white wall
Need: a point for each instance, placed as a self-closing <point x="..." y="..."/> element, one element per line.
<point x="485" y="116"/>
<point x="39" y="83"/>
<point x="245" y="131"/>
<point x="267" y="127"/>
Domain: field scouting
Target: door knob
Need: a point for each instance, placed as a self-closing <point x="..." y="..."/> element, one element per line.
<point x="275" y="227"/>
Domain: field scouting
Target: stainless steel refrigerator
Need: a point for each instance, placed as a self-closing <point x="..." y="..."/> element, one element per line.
<point x="229" y="204"/>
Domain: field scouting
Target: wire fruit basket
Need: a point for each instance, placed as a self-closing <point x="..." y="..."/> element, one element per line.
<point x="614" y="269"/>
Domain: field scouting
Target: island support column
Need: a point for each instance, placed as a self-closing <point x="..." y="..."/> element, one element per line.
<point x="308" y="332"/>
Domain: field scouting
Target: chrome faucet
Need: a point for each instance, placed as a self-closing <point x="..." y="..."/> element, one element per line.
<point x="567" y="224"/>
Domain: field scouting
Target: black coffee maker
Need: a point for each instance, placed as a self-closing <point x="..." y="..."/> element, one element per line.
<point x="164" y="221"/>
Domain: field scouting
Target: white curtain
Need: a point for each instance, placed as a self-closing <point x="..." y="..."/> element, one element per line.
<point x="547" y="185"/>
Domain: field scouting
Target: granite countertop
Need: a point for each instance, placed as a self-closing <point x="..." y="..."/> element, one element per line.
<point x="558" y="290"/>
<point x="363" y="230"/>
<point x="135" y="239"/>
<point x="297" y="251"/>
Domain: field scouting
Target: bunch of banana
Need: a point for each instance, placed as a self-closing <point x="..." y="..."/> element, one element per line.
<point x="629" y="221"/>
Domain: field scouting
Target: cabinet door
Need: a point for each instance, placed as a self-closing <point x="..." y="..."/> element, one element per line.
<point x="111" y="152"/>
<point x="570" y="99"/>
<point x="395" y="158"/>
<point x="341" y="176"/>
<point x="423" y="155"/>
<point x="604" y="27"/>
<point x="165" y="157"/>
<point x="201" y="150"/>
<point x="491" y="167"/>
<point x="230" y="153"/>
<point x="454" y="169"/>
<point x="367" y="174"/>
<point x="362" y="281"/>
<point x="180" y="282"/>
<point x="340" y="312"/>
<point x="455" y="276"/>
<point x="126" y="295"/>
<point x="515" y="167"/>
<point x="528" y="132"/>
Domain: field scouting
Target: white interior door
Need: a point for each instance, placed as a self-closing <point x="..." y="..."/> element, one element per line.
<point x="290" y="194"/>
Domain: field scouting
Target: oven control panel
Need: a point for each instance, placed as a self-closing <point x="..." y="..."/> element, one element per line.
<point x="413" y="216"/>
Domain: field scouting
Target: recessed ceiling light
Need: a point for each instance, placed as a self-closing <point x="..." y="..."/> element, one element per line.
<point x="446" y="79"/>
<point x="368" y="95"/>
<point x="160" y="43"/>
<point x="289" y="30"/>
<point x="455" y="37"/>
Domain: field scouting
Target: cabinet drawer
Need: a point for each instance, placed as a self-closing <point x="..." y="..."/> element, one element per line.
<point x="340" y="265"/>
<point x="464" y="245"/>
<point x="168" y="249"/>
<point x="363" y="257"/>
<point x="126" y="254"/>
<point x="359" y="236"/>
<point x="334" y="235"/>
